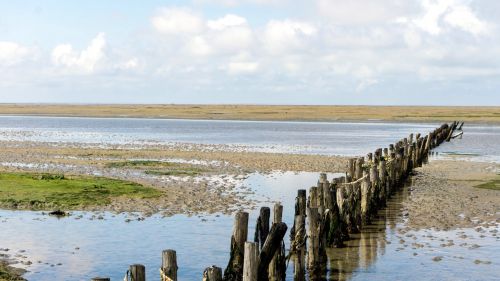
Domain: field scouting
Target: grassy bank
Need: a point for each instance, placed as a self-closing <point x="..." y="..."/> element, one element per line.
<point x="264" y="112"/>
<point x="49" y="191"/>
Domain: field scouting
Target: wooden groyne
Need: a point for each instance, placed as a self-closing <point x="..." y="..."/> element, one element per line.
<point x="324" y="219"/>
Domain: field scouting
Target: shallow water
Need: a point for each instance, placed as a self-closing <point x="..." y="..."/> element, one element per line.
<point x="108" y="246"/>
<point x="329" y="138"/>
<point x="199" y="241"/>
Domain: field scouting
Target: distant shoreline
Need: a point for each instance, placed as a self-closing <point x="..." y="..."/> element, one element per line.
<point x="300" y="113"/>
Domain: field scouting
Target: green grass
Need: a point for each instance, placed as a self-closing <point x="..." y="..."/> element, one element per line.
<point x="9" y="274"/>
<point x="49" y="191"/>
<point x="493" y="184"/>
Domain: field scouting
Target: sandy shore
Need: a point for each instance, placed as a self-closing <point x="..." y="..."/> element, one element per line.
<point x="263" y="112"/>
<point x="217" y="188"/>
<point x="444" y="197"/>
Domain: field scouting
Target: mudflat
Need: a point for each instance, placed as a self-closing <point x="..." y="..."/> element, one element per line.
<point x="263" y="112"/>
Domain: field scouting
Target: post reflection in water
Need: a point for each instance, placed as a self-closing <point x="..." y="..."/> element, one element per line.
<point x="362" y="249"/>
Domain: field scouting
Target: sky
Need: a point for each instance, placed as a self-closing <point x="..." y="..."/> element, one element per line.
<point x="372" y="52"/>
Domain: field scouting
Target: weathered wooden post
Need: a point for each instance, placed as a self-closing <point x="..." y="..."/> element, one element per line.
<point x="100" y="279"/>
<point x="356" y="205"/>
<point x="359" y="167"/>
<point x="351" y="169"/>
<point x="365" y="198"/>
<point x="313" y="252"/>
<point x="313" y="197"/>
<point x="234" y="269"/>
<point x="212" y="273"/>
<point x="277" y="267"/>
<point x="251" y="263"/>
<point x="168" y="270"/>
<point x="262" y="226"/>
<point x="383" y="182"/>
<point x="137" y="272"/>
<point x="374" y="188"/>
<point x="299" y="248"/>
<point x="300" y="209"/>
<point x="273" y="243"/>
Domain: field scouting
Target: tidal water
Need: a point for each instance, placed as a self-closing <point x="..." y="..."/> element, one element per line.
<point x="82" y="246"/>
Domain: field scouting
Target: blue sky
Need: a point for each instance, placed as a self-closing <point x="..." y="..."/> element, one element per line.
<point x="411" y="52"/>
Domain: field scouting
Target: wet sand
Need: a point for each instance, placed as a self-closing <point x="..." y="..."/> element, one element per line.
<point x="443" y="196"/>
<point x="215" y="190"/>
<point x="263" y="112"/>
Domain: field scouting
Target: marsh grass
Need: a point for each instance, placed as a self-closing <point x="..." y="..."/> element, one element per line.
<point x="49" y="191"/>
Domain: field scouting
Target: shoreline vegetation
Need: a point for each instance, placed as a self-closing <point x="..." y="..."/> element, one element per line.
<point x="9" y="273"/>
<point x="262" y="112"/>
<point x="44" y="191"/>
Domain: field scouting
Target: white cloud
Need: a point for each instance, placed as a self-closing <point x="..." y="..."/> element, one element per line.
<point x="282" y="36"/>
<point x="450" y="12"/>
<point x="462" y="17"/>
<point x="226" y="21"/>
<point x="177" y="21"/>
<point x="199" y="46"/>
<point x="242" y="67"/>
<point x="85" y="61"/>
<point x="12" y="53"/>
<point x="130" y="64"/>
<point x="360" y="12"/>
<point x="230" y="33"/>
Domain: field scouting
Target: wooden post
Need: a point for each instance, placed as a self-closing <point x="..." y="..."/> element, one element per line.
<point x="365" y="199"/>
<point x="251" y="264"/>
<point x="100" y="279"/>
<point x="278" y="213"/>
<point x="313" y="258"/>
<point x="383" y="182"/>
<point x="137" y="272"/>
<point x="277" y="267"/>
<point x="273" y="243"/>
<point x="359" y="167"/>
<point x="300" y="209"/>
<point x="234" y="269"/>
<point x="313" y="197"/>
<point x="299" y="247"/>
<point x="356" y="206"/>
<point x="168" y="270"/>
<point x="327" y="196"/>
<point x="374" y="187"/>
<point x="262" y="226"/>
<point x="212" y="273"/>
<point x="351" y="168"/>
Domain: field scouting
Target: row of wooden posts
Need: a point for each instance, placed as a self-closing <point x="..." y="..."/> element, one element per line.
<point x="334" y="210"/>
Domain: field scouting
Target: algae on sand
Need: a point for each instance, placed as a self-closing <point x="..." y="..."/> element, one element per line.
<point x="47" y="191"/>
<point x="8" y="273"/>
<point x="492" y="184"/>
